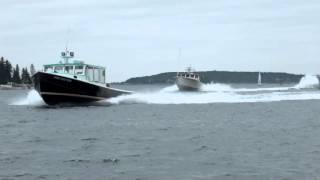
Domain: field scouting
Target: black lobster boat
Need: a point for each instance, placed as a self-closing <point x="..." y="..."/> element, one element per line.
<point x="73" y="83"/>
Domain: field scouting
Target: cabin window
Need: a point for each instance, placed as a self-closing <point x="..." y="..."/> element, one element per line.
<point x="58" y="69"/>
<point x="78" y="70"/>
<point x="48" y="69"/>
<point x="89" y="73"/>
<point x="102" y="76"/>
<point x="96" y="75"/>
<point x="68" y="69"/>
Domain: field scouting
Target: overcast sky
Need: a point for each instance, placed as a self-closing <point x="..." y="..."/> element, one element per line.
<point x="143" y="37"/>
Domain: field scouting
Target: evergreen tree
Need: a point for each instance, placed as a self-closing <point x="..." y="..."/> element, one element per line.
<point x="7" y="72"/>
<point x="25" y="76"/>
<point x="16" y="75"/>
<point x="32" y="70"/>
<point x="28" y="77"/>
<point x="2" y="74"/>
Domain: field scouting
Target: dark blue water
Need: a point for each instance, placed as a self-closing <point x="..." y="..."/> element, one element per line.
<point x="138" y="140"/>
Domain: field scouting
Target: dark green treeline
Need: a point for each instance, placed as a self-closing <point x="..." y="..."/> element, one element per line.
<point x="12" y="74"/>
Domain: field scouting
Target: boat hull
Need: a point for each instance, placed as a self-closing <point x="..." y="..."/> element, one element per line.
<point x="187" y="84"/>
<point x="56" y="89"/>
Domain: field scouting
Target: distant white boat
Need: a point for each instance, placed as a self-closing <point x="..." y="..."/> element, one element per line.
<point x="259" y="79"/>
<point x="188" y="80"/>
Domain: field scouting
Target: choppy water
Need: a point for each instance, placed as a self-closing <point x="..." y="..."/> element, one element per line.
<point x="223" y="132"/>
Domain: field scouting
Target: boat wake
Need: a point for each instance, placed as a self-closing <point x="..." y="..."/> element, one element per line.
<point x="210" y="93"/>
<point x="212" y="97"/>
<point x="308" y="82"/>
<point x="222" y="93"/>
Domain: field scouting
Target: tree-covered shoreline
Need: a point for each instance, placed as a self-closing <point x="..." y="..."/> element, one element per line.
<point x="12" y="75"/>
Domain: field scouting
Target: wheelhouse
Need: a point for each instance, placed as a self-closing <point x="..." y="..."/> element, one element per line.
<point x="188" y="75"/>
<point x="78" y="70"/>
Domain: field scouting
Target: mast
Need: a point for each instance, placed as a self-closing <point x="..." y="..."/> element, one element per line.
<point x="66" y="55"/>
<point x="179" y="61"/>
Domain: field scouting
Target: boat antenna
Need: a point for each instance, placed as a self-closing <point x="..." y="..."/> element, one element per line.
<point x="67" y="38"/>
<point x="66" y="55"/>
<point x="179" y="61"/>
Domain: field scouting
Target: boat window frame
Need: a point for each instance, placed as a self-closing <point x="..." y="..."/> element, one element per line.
<point x="58" y="71"/>
<point x="48" y="69"/>
<point x="65" y="67"/>
<point x="96" y="74"/>
<point x="95" y="71"/>
<point x="88" y="71"/>
<point x="82" y="70"/>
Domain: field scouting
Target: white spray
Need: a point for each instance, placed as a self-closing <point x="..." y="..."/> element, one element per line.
<point x="33" y="99"/>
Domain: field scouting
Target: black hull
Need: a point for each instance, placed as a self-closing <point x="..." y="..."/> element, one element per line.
<point x="55" y="89"/>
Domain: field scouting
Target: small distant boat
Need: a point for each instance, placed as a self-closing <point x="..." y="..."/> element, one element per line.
<point x="259" y="79"/>
<point x="74" y="82"/>
<point x="188" y="80"/>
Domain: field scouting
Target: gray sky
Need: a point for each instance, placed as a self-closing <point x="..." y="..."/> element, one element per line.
<point x="143" y="37"/>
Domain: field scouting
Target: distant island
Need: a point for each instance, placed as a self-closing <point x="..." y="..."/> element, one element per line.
<point x="222" y="77"/>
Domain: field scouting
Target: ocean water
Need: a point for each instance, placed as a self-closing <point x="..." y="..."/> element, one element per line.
<point x="223" y="132"/>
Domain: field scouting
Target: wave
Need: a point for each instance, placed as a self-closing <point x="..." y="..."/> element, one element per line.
<point x="262" y="89"/>
<point x="217" y="87"/>
<point x="308" y="82"/>
<point x="32" y="98"/>
<point x="176" y="97"/>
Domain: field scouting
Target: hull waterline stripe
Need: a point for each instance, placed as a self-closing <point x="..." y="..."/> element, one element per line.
<point x="72" y="95"/>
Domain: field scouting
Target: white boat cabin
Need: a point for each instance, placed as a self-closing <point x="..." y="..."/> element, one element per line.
<point x="77" y="69"/>
<point x="189" y="74"/>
